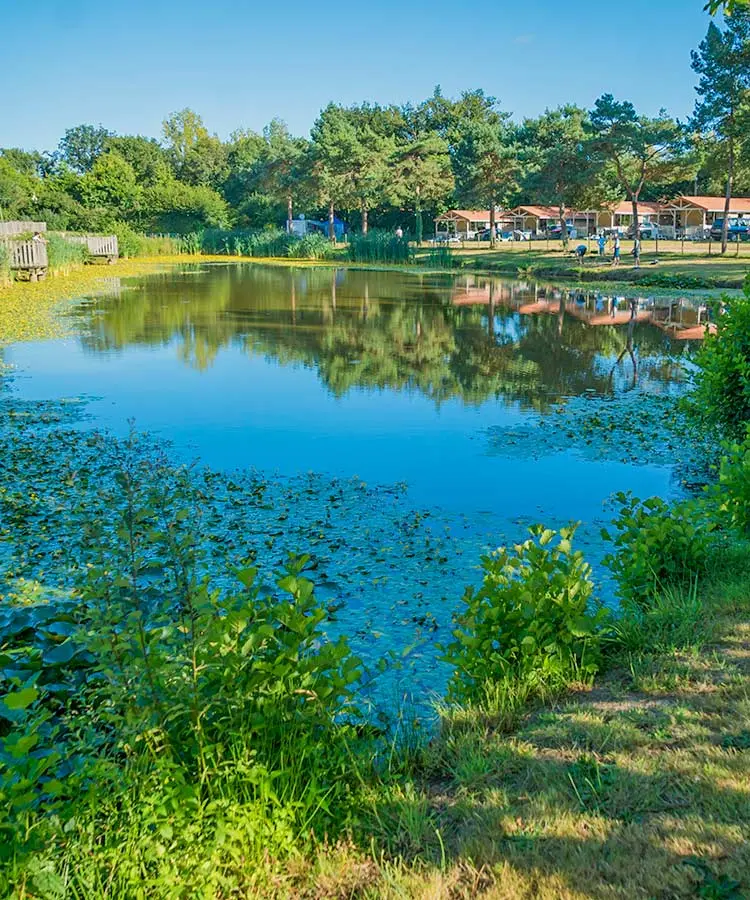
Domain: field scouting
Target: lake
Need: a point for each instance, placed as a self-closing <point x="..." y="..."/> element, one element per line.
<point x="474" y="393"/>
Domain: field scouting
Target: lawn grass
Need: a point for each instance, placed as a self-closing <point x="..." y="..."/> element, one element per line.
<point x="637" y="788"/>
<point x="669" y="267"/>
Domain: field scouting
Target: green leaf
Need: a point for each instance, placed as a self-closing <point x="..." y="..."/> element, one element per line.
<point x="21" y="699"/>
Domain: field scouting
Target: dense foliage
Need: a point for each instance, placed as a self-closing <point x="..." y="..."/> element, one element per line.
<point x="723" y="378"/>
<point x="393" y="165"/>
<point x="531" y="619"/>
<point x="658" y="546"/>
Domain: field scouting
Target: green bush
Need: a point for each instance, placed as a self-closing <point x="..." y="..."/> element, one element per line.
<point x="132" y="243"/>
<point x="62" y="254"/>
<point x="732" y="492"/>
<point x="722" y="392"/>
<point x="532" y="619"/>
<point x="163" y="710"/>
<point x="658" y="546"/>
<point x="379" y="246"/>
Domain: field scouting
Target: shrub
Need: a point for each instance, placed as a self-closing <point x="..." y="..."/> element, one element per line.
<point x="530" y="620"/>
<point x="723" y="379"/>
<point x="732" y="493"/>
<point x="163" y="710"/>
<point x="131" y="243"/>
<point x="658" y="546"/>
<point x="378" y="246"/>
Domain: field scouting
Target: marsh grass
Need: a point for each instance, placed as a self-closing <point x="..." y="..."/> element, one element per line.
<point x="379" y="246"/>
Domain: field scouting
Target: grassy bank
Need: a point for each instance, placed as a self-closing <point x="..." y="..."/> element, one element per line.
<point x="174" y="721"/>
<point x="670" y="268"/>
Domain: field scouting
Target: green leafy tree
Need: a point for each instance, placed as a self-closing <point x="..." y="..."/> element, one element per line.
<point x="172" y="206"/>
<point x="486" y="164"/>
<point x="111" y="183"/>
<point x="640" y="150"/>
<point x="422" y="172"/>
<point x="352" y="148"/>
<point x="182" y="131"/>
<point x="280" y="171"/>
<point x="17" y="190"/>
<point x="722" y="62"/>
<point x="146" y="155"/>
<point x="82" y="145"/>
<point x="561" y="171"/>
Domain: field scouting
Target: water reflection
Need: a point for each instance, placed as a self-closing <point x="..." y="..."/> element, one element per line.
<point x="472" y="339"/>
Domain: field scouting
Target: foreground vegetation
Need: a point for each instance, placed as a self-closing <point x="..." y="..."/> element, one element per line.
<point x="177" y="721"/>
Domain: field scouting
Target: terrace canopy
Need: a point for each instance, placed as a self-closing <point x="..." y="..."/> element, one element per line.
<point x="693" y="214"/>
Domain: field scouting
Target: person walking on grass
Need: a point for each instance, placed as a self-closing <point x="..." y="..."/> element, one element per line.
<point x="616" y="253"/>
<point x="601" y="242"/>
<point x="637" y="253"/>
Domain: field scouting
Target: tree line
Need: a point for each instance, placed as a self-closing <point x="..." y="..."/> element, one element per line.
<point x="398" y="165"/>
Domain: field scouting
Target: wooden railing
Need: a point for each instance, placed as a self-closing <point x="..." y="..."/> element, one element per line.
<point x="28" y="254"/>
<point x="8" y="229"/>
<point x="96" y="246"/>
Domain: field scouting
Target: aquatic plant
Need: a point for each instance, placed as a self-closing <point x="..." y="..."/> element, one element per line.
<point x="379" y="246"/>
<point x="64" y="255"/>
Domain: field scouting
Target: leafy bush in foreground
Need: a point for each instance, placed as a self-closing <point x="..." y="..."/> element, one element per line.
<point x="658" y="545"/>
<point x="531" y="619"/>
<point x="163" y="711"/>
<point x="723" y="380"/>
<point x="732" y="493"/>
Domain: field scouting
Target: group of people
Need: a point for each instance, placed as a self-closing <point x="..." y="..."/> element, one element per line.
<point x="616" y="250"/>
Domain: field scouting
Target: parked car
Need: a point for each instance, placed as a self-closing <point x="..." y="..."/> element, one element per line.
<point x="555" y="231"/>
<point x="445" y="237"/>
<point x="519" y="235"/>
<point x="737" y="231"/>
<point x="501" y="235"/>
<point x="649" y="231"/>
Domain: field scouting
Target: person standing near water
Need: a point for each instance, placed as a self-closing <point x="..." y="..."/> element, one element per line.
<point x="637" y="253"/>
<point x="601" y="242"/>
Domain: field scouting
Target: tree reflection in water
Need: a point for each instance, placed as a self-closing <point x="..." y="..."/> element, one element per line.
<point x="469" y="338"/>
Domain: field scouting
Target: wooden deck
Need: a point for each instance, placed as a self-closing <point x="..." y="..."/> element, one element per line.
<point x="29" y="258"/>
<point x="104" y="248"/>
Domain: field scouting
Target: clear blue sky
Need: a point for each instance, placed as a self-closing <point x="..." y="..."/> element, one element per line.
<point x="241" y="62"/>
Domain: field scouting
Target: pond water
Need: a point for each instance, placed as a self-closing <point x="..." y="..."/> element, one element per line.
<point x="433" y="381"/>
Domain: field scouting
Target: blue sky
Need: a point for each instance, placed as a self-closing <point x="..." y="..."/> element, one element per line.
<point x="241" y="62"/>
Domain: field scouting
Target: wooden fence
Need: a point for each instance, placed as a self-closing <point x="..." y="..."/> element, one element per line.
<point x="9" y="229"/>
<point x="29" y="257"/>
<point x="97" y="246"/>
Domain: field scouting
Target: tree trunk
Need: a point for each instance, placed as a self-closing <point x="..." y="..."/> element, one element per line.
<point x="418" y="218"/>
<point x="493" y="236"/>
<point x="563" y="227"/>
<point x="364" y="220"/>
<point x="331" y="223"/>
<point x="636" y="223"/>
<point x="728" y="197"/>
<point x="289" y="214"/>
